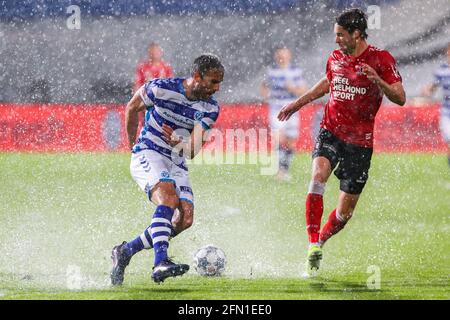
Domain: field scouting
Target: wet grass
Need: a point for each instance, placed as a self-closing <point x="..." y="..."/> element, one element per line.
<point x="61" y="215"/>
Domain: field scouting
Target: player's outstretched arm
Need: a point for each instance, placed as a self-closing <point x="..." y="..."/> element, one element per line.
<point x="134" y="106"/>
<point x="190" y="146"/>
<point x="321" y="88"/>
<point x="395" y="92"/>
<point x="429" y="90"/>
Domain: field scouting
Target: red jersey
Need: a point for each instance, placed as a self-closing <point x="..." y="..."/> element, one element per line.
<point x="147" y="71"/>
<point x="354" y="99"/>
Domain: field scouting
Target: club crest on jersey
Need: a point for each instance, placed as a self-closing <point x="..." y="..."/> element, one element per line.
<point x="337" y="65"/>
<point x="164" y="174"/>
<point x="198" y="115"/>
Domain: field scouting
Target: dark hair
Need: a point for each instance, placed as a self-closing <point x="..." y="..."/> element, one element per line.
<point x="206" y="62"/>
<point x="353" y="19"/>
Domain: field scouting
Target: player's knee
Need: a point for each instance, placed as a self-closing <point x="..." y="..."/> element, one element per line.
<point x="319" y="177"/>
<point x="172" y="201"/>
<point x="320" y="174"/>
<point x="166" y="194"/>
<point x="316" y="187"/>
<point x="351" y="186"/>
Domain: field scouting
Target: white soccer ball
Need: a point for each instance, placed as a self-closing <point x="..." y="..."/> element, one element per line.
<point x="210" y="261"/>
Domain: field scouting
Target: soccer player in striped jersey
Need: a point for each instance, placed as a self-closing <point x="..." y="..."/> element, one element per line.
<point x="442" y="79"/>
<point x="179" y="113"/>
<point x="283" y="82"/>
<point x="357" y="76"/>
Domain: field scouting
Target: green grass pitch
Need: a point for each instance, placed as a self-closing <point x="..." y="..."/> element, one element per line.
<point x="62" y="213"/>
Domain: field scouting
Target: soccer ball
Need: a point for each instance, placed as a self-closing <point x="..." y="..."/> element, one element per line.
<point x="210" y="261"/>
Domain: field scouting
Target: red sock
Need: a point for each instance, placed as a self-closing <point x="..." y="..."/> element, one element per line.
<point x="331" y="227"/>
<point x="314" y="211"/>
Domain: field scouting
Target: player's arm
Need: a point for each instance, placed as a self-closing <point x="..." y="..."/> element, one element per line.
<point x="134" y="106"/>
<point x="190" y="146"/>
<point x="430" y="89"/>
<point x="264" y="91"/>
<point x="321" y="88"/>
<point x="139" y="79"/>
<point x="395" y="91"/>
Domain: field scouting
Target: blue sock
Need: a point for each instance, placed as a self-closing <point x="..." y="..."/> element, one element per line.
<point x="160" y="229"/>
<point x="143" y="241"/>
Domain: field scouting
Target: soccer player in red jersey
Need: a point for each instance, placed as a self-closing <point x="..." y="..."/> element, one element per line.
<point x="154" y="67"/>
<point x="357" y="76"/>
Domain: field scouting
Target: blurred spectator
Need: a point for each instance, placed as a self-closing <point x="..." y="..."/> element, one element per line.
<point x="283" y="83"/>
<point x="442" y="79"/>
<point x="153" y="67"/>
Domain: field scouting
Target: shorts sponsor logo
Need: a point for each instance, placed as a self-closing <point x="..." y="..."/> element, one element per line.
<point x="198" y="115"/>
<point x="186" y="189"/>
<point x="329" y="147"/>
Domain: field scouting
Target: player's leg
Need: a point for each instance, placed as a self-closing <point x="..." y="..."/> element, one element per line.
<point x="325" y="158"/>
<point x="339" y="217"/>
<point x="150" y="170"/>
<point x="184" y="219"/>
<point x="288" y="138"/>
<point x="321" y="171"/>
<point x="185" y="215"/>
<point x="145" y="168"/>
<point x="353" y="173"/>
<point x="166" y="224"/>
<point x="445" y="131"/>
<point x="314" y="211"/>
<point x="282" y="148"/>
<point x="165" y="197"/>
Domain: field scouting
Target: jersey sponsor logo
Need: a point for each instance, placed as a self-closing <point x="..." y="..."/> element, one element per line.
<point x="329" y="147"/>
<point x="176" y="118"/>
<point x="342" y="90"/>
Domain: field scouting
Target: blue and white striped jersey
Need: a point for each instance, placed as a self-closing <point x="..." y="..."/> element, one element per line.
<point x="442" y="79"/>
<point x="277" y="80"/>
<point x="167" y="103"/>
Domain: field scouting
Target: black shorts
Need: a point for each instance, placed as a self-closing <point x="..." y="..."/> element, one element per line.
<point x="354" y="161"/>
